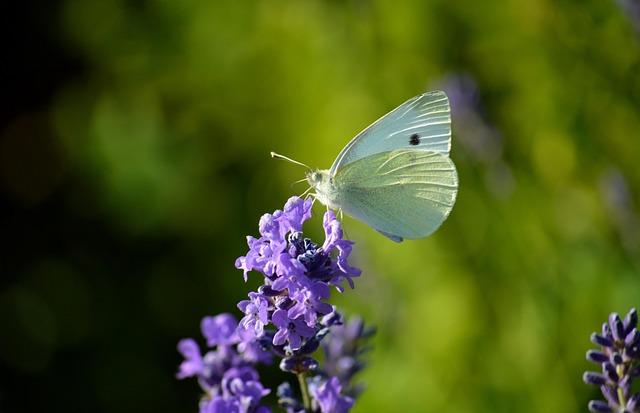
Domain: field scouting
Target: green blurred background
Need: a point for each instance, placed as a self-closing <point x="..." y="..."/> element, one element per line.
<point x="134" y="160"/>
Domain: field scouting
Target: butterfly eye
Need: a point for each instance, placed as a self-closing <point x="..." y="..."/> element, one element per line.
<point x="315" y="176"/>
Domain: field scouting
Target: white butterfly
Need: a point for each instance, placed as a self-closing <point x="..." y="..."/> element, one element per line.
<point x="396" y="175"/>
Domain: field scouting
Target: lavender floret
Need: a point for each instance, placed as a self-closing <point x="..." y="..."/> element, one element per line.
<point x="329" y="397"/>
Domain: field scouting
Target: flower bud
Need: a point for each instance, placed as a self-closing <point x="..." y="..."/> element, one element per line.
<point x="596" y="379"/>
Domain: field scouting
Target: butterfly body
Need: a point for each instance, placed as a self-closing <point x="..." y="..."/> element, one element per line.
<point x="396" y="175"/>
<point x="325" y="191"/>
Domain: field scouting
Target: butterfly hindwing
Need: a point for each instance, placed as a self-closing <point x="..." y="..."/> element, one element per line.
<point x="422" y="122"/>
<point x="405" y="193"/>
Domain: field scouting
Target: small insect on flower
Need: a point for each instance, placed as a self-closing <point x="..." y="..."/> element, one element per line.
<point x="396" y="175"/>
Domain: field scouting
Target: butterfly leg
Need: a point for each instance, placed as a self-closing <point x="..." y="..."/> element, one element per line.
<point x="305" y="192"/>
<point x="313" y="197"/>
<point x="341" y="214"/>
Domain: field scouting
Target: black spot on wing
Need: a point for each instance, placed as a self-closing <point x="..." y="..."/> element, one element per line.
<point x="414" y="139"/>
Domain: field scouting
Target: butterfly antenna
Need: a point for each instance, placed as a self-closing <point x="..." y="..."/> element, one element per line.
<point x="299" y="181"/>
<point x="284" y="158"/>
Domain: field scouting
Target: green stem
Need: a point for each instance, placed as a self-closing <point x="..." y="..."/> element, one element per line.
<point x="306" y="400"/>
<point x="621" y="399"/>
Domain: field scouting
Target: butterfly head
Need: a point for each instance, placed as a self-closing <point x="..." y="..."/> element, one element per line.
<point x="318" y="178"/>
<point x="315" y="178"/>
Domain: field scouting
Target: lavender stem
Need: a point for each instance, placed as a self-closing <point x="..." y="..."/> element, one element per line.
<point x="304" y="390"/>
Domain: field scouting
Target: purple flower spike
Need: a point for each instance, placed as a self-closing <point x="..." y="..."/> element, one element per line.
<point x="290" y="330"/>
<point x="619" y="357"/>
<point x="220" y="330"/>
<point x="289" y="318"/>
<point x="329" y="398"/>
<point x="193" y="364"/>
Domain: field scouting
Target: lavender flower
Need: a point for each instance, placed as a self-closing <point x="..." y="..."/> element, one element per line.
<point x="256" y="313"/>
<point x="230" y="382"/>
<point x="297" y="274"/>
<point x="308" y="304"/>
<point x="288" y="316"/>
<point x="619" y="357"/>
<point x="292" y="330"/>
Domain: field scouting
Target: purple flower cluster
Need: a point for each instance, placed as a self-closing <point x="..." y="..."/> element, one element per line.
<point x="619" y="356"/>
<point x="226" y="373"/>
<point x="288" y="317"/>
<point x="297" y="275"/>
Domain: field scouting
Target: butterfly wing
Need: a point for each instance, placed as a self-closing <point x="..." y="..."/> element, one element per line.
<point x="422" y="122"/>
<point x="405" y="193"/>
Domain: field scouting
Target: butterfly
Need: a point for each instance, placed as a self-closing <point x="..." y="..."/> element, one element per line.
<point x="396" y="175"/>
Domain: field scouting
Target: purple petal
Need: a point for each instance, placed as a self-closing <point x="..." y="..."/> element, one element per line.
<point x="303" y="329"/>
<point x="323" y="308"/>
<point x="193" y="364"/>
<point x="297" y="211"/>
<point x="242" y="305"/>
<point x="296" y="311"/>
<point x="279" y="318"/>
<point x="295" y="341"/>
<point x="280" y="337"/>
<point x="281" y="283"/>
